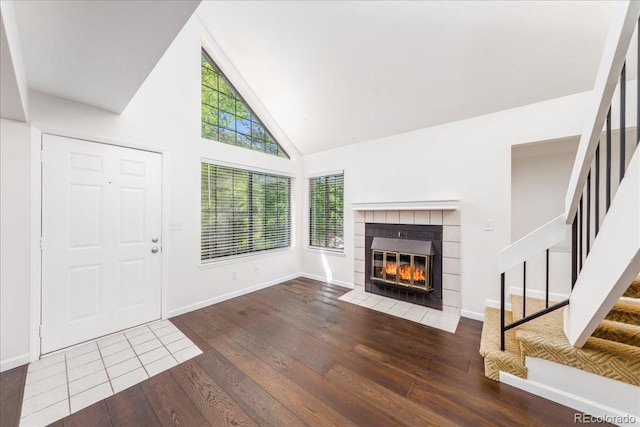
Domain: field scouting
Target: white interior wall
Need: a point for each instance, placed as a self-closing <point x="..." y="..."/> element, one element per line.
<point x="467" y="160"/>
<point x="539" y="178"/>
<point x="164" y="115"/>
<point x="14" y="243"/>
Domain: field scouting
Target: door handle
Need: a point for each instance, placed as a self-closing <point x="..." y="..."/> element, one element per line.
<point x="154" y="250"/>
<point x="154" y="240"/>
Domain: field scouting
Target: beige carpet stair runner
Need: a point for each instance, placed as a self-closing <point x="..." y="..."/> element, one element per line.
<point x="613" y="351"/>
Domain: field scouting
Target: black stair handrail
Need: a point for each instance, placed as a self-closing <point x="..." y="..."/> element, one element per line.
<point x="548" y="309"/>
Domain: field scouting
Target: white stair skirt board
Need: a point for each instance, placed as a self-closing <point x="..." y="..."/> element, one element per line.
<point x="602" y="398"/>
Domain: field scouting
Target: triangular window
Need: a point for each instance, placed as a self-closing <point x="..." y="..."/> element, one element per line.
<point x="227" y="118"/>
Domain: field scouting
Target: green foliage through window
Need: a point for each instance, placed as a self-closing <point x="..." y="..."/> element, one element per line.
<point x="326" y="212"/>
<point x="243" y="211"/>
<point x="227" y="118"/>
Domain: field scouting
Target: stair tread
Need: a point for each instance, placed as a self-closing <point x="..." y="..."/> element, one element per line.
<point x="496" y="360"/>
<point x="534" y="305"/>
<point x="633" y="291"/>
<point x="626" y="310"/>
<point x="544" y="338"/>
<point x="624" y="333"/>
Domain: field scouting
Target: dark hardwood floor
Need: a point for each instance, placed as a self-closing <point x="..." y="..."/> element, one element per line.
<point x="292" y="354"/>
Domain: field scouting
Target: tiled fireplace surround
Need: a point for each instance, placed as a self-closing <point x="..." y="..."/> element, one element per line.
<point x="450" y="221"/>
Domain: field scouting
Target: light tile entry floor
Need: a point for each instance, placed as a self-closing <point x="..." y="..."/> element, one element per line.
<point x="415" y="313"/>
<point x="65" y="382"/>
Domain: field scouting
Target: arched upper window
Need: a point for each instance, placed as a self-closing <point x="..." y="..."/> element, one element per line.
<point x="227" y="118"/>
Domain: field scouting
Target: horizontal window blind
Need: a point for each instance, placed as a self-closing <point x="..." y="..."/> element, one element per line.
<point x="243" y="211"/>
<point x="326" y="211"/>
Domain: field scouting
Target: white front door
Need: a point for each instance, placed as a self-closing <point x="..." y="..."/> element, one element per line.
<point x="101" y="223"/>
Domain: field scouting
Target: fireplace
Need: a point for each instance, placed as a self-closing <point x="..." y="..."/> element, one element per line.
<point x="404" y="262"/>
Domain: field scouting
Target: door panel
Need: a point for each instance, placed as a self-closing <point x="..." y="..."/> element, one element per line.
<point x="101" y="207"/>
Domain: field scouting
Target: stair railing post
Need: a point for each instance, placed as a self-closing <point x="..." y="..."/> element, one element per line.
<point x="502" y="312"/>
<point x="547" y="281"/>
<point x="574" y="252"/>
<point x="623" y="127"/>
<point x="524" y="289"/>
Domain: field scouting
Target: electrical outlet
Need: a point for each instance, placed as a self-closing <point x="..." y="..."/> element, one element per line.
<point x="175" y="225"/>
<point x="257" y="270"/>
<point x="490" y="225"/>
<point x="234" y="275"/>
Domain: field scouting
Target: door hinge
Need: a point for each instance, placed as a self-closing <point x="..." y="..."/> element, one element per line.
<point x="41" y="244"/>
<point x="41" y="156"/>
<point x="40" y="331"/>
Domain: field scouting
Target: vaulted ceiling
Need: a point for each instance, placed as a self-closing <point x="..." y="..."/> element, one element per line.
<point x="96" y="52"/>
<point x="335" y="73"/>
<point x="330" y="73"/>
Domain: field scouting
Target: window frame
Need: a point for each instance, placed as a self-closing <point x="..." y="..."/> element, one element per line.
<point x="309" y="245"/>
<point x="289" y="231"/>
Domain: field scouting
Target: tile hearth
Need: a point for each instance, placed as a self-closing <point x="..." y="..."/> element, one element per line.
<point x="415" y="313"/>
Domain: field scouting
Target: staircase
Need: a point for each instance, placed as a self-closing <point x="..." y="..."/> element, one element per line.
<point x="584" y="351"/>
<point x="613" y="351"/>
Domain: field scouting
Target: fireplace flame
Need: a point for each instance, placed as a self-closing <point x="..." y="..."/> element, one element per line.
<point x="404" y="272"/>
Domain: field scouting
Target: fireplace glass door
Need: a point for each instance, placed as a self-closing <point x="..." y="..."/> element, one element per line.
<point x="377" y="267"/>
<point x="421" y="272"/>
<point x="404" y="270"/>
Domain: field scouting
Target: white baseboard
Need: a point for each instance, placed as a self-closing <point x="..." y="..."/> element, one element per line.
<point x="324" y="279"/>
<point x="580" y="390"/>
<point x="534" y="293"/>
<point x="14" y="362"/>
<point x="472" y="315"/>
<point x="496" y="304"/>
<point x="215" y="300"/>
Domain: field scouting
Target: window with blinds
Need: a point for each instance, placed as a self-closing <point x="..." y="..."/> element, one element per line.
<point x="326" y="213"/>
<point x="243" y="211"/>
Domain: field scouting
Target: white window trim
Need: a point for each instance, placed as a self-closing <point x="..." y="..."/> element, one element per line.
<point x="247" y="168"/>
<point x="235" y="259"/>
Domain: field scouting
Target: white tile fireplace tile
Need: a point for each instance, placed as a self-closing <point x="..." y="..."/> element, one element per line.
<point x="451" y="281"/>
<point x="451" y="265"/>
<point x="398" y="310"/>
<point x="451" y="249"/>
<point x="359" y="228"/>
<point x="358" y="216"/>
<point x="393" y="217"/>
<point x="380" y="216"/>
<point x="368" y="216"/>
<point x="451" y="217"/>
<point x="402" y="309"/>
<point x="451" y="298"/>
<point x="454" y="311"/>
<point x="422" y="217"/>
<point x="451" y="233"/>
<point x="416" y="314"/>
<point x="436" y="218"/>
<point x="407" y="217"/>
